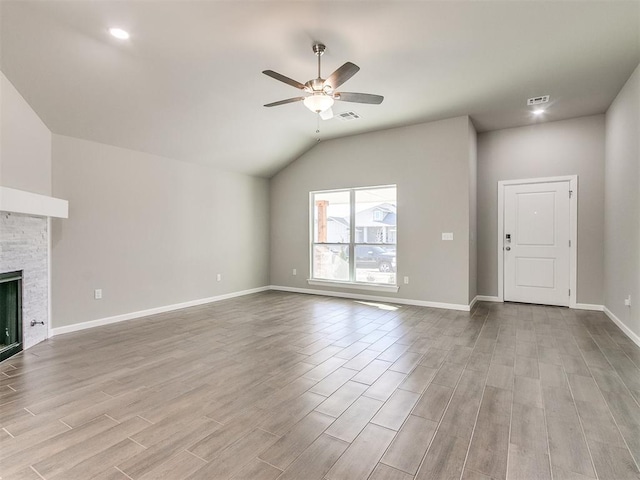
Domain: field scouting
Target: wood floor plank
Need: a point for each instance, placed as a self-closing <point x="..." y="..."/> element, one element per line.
<point x="66" y="459"/>
<point x="406" y="362"/>
<point x="410" y="445"/>
<point x="257" y="470"/>
<point x="395" y="410"/>
<point x="559" y="473"/>
<point x="459" y="418"/>
<point x="433" y="402"/>
<point x="488" y="451"/>
<point x="613" y="461"/>
<point x="526" y="367"/>
<point x="434" y="357"/>
<point x="418" y="380"/>
<point x="296" y="440"/>
<point x="448" y="374"/>
<point x="161" y="448"/>
<point x="281" y="420"/>
<point x="224" y="436"/>
<point x="316" y="460"/>
<point x="445" y="458"/>
<point x="459" y="354"/>
<point x="568" y="448"/>
<point x="527" y="467"/>
<point x="362" y="456"/>
<point x="42" y="450"/>
<point x="286" y="393"/>
<point x="180" y="465"/>
<point x="341" y="399"/>
<point x="598" y="423"/>
<point x="100" y="462"/>
<point x="232" y="459"/>
<point x="500" y="376"/>
<point x="469" y="474"/>
<point x="527" y="391"/>
<point x="325" y="368"/>
<point x="384" y="472"/>
<point x="333" y="382"/>
<point x="349" y="425"/>
<point x="26" y="473"/>
<point x="10" y="445"/>
<point x="384" y="387"/>
<point x="362" y="360"/>
<point x="529" y="430"/>
<point x="506" y="391"/>
<point x="369" y="374"/>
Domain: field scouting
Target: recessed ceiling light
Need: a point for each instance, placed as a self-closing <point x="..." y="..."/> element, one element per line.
<point x="539" y="111"/>
<point x="119" y="33"/>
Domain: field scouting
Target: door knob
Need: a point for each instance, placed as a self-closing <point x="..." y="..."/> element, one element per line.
<point x="507" y="248"/>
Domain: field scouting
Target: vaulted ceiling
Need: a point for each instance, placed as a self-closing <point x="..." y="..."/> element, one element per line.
<point x="188" y="83"/>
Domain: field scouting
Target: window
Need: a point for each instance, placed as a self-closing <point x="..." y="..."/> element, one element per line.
<point x="354" y="235"/>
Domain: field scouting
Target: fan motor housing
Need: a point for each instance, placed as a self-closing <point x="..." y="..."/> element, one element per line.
<point x="319" y="48"/>
<point x="315" y="84"/>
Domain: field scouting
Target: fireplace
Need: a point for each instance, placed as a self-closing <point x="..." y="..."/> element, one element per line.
<point x="10" y="314"/>
<point x="24" y="267"/>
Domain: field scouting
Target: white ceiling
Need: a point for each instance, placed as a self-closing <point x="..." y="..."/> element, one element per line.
<point x="188" y="83"/>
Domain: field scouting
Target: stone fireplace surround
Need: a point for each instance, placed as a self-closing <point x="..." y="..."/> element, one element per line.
<point x="25" y="245"/>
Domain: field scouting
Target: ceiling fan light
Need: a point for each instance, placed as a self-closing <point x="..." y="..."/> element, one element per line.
<point x="318" y="102"/>
<point x="119" y="33"/>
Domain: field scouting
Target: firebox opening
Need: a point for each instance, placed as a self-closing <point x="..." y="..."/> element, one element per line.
<point x="10" y="314"/>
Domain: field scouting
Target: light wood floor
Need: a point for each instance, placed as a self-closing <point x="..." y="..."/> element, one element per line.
<point x="288" y="386"/>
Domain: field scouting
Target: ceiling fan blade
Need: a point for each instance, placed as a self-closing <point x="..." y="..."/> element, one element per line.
<point x="282" y="78"/>
<point x="341" y="75"/>
<point x="359" y="97"/>
<point x="327" y="114"/>
<point x="284" y="102"/>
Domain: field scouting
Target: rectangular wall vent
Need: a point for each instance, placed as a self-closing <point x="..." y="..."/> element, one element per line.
<point x="538" y="100"/>
<point x="348" y="116"/>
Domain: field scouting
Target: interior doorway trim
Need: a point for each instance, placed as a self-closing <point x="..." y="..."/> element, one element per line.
<point x="573" y="215"/>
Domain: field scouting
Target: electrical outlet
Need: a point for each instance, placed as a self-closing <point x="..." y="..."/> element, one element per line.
<point x="294" y="272"/>
<point x="627" y="301"/>
<point x="406" y="280"/>
<point x="97" y="294"/>
<point x="219" y="277"/>
<point x="447" y="236"/>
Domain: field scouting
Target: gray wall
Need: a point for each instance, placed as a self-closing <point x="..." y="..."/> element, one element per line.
<point x="622" y="204"/>
<point x="25" y="144"/>
<point x="430" y="164"/>
<point x="568" y="147"/>
<point x="150" y="231"/>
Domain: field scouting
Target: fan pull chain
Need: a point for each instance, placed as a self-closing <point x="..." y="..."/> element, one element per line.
<point x="318" y="127"/>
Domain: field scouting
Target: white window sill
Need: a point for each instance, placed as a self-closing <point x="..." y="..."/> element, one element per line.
<point x="355" y="286"/>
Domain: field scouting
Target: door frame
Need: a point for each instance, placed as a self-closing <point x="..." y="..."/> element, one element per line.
<point x="573" y="233"/>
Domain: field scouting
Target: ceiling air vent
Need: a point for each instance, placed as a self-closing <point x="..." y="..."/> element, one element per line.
<point x="348" y="116"/>
<point x="538" y="100"/>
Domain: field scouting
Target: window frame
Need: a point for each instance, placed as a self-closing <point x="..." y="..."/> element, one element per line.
<point x="352" y="244"/>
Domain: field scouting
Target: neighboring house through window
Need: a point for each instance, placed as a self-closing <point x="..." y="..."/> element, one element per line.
<point x="354" y="235"/>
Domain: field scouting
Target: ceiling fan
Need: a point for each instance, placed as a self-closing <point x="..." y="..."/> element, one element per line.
<point x="322" y="92"/>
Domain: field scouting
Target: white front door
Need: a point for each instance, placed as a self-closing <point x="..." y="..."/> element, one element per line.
<point x="536" y="243"/>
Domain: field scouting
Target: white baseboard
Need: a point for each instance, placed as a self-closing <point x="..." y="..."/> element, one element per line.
<point x="589" y="306"/>
<point x="487" y="298"/>
<point x="628" y="332"/>
<point x="473" y="302"/>
<point x="373" y="298"/>
<point x="402" y="301"/>
<point x="151" y="311"/>
<point x="579" y="306"/>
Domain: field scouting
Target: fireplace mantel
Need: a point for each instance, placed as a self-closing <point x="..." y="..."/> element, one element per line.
<point x="19" y="201"/>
